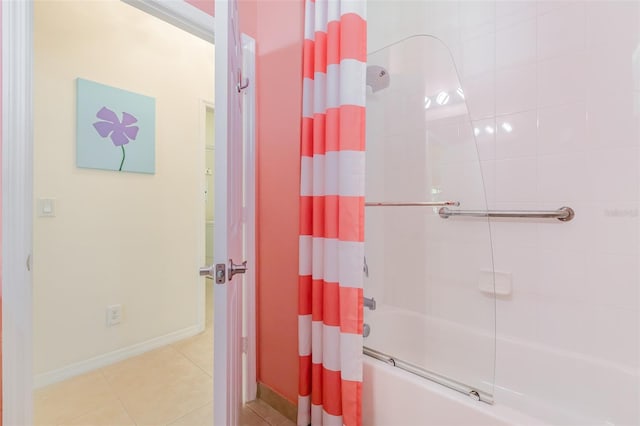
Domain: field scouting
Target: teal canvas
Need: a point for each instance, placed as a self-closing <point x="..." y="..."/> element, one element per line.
<point x="116" y="129"/>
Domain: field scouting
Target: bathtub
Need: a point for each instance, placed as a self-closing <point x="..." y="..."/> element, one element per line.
<point x="393" y="397"/>
<point x="534" y="384"/>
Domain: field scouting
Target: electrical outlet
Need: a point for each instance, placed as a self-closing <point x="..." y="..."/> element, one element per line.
<point x="114" y="315"/>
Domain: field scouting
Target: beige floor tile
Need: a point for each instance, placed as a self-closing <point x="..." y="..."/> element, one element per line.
<point x="159" y="387"/>
<point x="250" y="418"/>
<point x="132" y="371"/>
<point x="71" y="399"/>
<point x="199" y="417"/>
<point x="112" y="414"/>
<point x="272" y="416"/>
<point x="204" y="417"/>
<point x="199" y="349"/>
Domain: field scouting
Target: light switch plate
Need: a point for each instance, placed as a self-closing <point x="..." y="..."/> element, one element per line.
<point x="46" y="207"/>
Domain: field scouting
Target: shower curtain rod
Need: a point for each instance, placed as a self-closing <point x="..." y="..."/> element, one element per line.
<point x="411" y="204"/>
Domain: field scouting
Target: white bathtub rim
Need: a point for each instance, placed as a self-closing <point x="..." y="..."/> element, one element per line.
<point x="500" y="337"/>
<point x="497" y="411"/>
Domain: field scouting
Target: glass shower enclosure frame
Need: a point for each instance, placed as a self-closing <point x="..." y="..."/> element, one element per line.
<point x="429" y="278"/>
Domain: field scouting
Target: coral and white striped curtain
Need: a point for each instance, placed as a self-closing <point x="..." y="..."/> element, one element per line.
<point x="332" y="213"/>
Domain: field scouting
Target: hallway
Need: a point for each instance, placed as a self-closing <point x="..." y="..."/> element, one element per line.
<point x="167" y="386"/>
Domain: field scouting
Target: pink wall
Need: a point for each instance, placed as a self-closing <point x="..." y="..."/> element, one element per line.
<point x="207" y="6"/>
<point x="0" y="213"/>
<point x="278" y="27"/>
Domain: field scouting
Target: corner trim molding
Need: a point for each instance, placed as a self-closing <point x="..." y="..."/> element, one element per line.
<point x="181" y="14"/>
<point x="249" y="126"/>
<point x="17" y="212"/>
<point x="109" y="358"/>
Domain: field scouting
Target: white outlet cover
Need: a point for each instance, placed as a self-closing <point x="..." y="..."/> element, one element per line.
<point x="114" y="315"/>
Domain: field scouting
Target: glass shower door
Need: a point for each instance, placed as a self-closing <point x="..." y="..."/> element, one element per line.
<point x="431" y="277"/>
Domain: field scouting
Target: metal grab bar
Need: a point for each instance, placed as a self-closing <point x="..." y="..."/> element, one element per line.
<point x="563" y="214"/>
<point x="411" y="204"/>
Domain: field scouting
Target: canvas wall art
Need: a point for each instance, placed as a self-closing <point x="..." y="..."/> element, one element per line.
<point x="115" y="129"/>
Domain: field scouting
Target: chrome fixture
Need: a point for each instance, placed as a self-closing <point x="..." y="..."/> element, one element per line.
<point x="377" y="78"/>
<point x="219" y="271"/>
<point x="478" y="395"/>
<point x="473" y="394"/>
<point x="370" y="302"/>
<point x="411" y="204"/>
<point x="366" y="330"/>
<point x="242" y="83"/>
<point x="563" y="214"/>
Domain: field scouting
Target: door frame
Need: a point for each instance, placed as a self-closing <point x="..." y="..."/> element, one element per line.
<point x="17" y="212"/>
<point x="250" y="193"/>
<point x="179" y="14"/>
<point x="17" y="194"/>
<point x="203" y="106"/>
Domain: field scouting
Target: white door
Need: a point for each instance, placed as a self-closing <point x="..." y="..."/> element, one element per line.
<point x="227" y="369"/>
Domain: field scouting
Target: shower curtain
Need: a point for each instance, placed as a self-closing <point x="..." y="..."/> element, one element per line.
<point x="332" y="213"/>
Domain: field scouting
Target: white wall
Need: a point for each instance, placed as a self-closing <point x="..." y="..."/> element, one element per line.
<point x="565" y="77"/>
<point x="117" y="238"/>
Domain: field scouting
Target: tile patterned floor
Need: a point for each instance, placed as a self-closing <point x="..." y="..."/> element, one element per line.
<point x="168" y="386"/>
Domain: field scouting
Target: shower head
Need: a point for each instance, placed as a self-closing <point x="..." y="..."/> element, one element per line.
<point x="377" y="78"/>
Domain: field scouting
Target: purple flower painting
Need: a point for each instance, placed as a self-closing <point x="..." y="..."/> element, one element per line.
<point x="115" y="129"/>
<point x="120" y="132"/>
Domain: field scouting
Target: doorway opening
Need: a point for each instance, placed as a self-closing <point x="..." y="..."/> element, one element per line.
<point x="53" y="207"/>
<point x="121" y="330"/>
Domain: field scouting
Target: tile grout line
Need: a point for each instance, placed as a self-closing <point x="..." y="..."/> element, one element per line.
<point x="250" y="407"/>
<point x="191" y="360"/>
<point x="180" y="353"/>
<point x="124" y="406"/>
<point x="74" y="417"/>
<point x="276" y="412"/>
<point x="117" y="397"/>
<point x="190" y="412"/>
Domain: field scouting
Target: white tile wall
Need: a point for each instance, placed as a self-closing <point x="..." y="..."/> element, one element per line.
<point x="561" y="31"/>
<point x="562" y="129"/>
<point x="480" y="91"/>
<point x="516" y="135"/>
<point x="516" y="44"/>
<point x="562" y="79"/>
<point x="565" y="77"/>
<point x="512" y="12"/>
<point x="515" y="89"/>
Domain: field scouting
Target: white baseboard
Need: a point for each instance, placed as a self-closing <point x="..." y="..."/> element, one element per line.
<point x="100" y="361"/>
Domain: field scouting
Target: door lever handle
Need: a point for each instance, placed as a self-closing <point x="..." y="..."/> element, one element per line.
<point x="207" y="271"/>
<point x="216" y="272"/>
<point x="236" y="269"/>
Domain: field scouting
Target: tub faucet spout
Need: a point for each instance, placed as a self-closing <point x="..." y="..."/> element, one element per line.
<point x="370" y="302"/>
